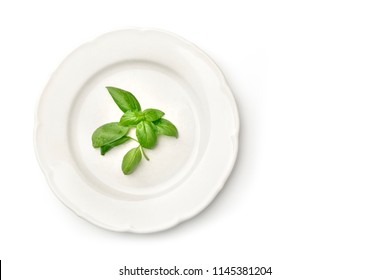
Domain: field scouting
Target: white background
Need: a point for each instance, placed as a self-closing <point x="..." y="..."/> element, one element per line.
<point x="310" y="192"/>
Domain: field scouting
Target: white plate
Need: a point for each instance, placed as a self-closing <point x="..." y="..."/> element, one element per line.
<point x="183" y="176"/>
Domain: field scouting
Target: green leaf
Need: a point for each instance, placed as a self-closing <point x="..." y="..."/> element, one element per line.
<point x="146" y="134"/>
<point x="131" y="160"/>
<point x="153" y="114"/>
<point x="165" y="127"/>
<point x="131" y="118"/>
<point x="125" y="100"/>
<point x="104" y="149"/>
<point x="108" y="133"/>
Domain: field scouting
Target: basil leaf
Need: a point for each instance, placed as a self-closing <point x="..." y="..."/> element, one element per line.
<point x="108" y="133"/>
<point x="104" y="149"/>
<point x="165" y="127"/>
<point x="125" y="100"/>
<point x="146" y="134"/>
<point x="131" y="160"/>
<point x="153" y="114"/>
<point x="131" y="118"/>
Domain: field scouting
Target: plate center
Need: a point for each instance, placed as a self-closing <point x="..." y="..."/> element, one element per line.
<point x="155" y="86"/>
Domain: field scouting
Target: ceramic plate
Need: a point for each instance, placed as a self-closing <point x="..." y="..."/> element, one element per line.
<point x="183" y="175"/>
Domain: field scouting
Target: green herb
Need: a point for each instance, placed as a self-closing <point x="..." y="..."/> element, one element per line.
<point x="149" y="125"/>
<point x="108" y="133"/>
<point x="131" y="118"/>
<point x="146" y="134"/>
<point x="125" y="100"/>
<point x="104" y="149"/>
<point x="153" y="114"/>
<point x="165" y="127"/>
<point x="131" y="160"/>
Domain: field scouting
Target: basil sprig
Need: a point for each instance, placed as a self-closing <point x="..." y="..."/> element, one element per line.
<point x="148" y="123"/>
